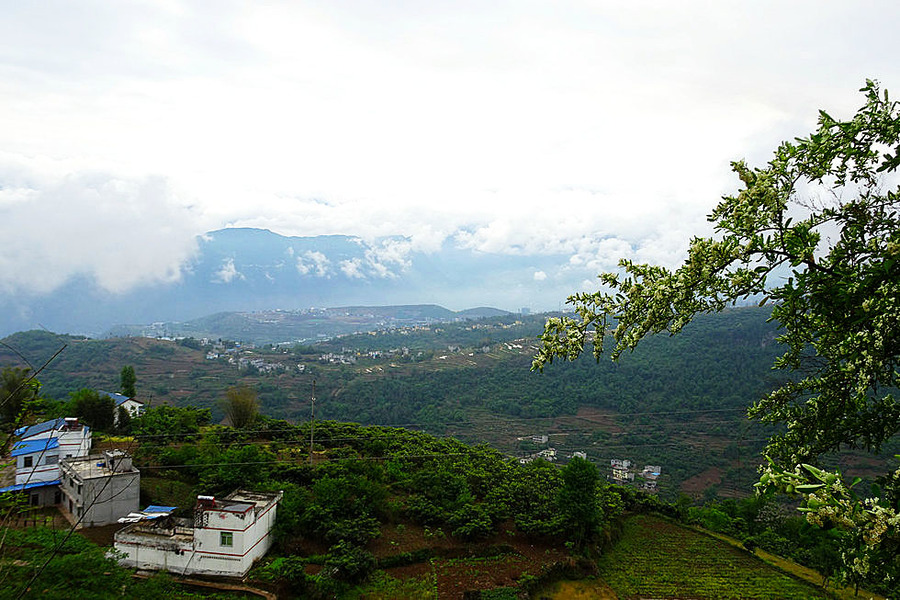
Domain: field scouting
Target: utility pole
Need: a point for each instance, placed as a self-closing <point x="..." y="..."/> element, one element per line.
<point x="312" y="422"/>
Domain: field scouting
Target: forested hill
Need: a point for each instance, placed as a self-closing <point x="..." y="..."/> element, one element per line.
<point x="678" y="401"/>
<point x="402" y="375"/>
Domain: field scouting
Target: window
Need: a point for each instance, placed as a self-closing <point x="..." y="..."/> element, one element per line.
<point x="226" y="538"/>
<point x="51" y="460"/>
<point x="27" y="461"/>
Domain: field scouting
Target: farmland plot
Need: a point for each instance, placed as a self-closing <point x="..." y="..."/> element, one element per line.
<point x="659" y="559"/>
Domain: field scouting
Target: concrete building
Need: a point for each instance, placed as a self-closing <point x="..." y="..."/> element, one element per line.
<point x="98" y="489"/>
<point x="650" y="476"/>
<point x="621" y="470"/>
<point x="38" y="453"/>
<point x="224" y="537"/>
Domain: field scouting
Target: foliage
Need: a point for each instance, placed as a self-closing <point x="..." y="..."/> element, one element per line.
<point x="348" y="562"/>
<point x="123" y="420"/>
<point x="241" y="406"/>
<point x="127" y="381"/>
<point x="79" y="569"/>
<point x="577" y="500"/>
<point x="170" y="423"/>
<point x="814" y="233"/>
<point x="17" y="390"/>
<point x="656" y="558"/>
<point x="95" y="409"/>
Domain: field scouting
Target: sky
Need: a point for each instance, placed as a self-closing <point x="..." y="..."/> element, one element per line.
<point x="594" y="130"/>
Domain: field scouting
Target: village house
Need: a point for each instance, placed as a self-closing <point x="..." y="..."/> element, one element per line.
<point x="650" y="476"/>
<point x="37" y="455"/>
<point x="134" y="408"/>
<point x="98" y="489"/>
<point x="621" y="470"/>
<point x="224" y="537"/>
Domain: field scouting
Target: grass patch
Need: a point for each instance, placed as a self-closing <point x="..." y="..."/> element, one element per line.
<point x="382" y="586"/>
<point x="659" y="559"/>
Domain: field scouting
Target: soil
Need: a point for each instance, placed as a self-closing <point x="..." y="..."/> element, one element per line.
<point x="459" y="568"/>
<point x="695" y="485"/>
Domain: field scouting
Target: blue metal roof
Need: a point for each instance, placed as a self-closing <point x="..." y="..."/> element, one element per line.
<point x="159" y="509"/>
<point x="24" y="432"/>
<point x="118" y="398"/>
<point x="27" y="486"/>
<point x="34" y="446"/>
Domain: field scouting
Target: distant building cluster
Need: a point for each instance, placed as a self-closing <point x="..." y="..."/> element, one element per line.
<point x="549" y="454"/>
<point x="623" y="472"/>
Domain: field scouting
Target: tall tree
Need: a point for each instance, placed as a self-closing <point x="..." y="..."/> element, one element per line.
<point x="16" y="390"/>
<point x="95" y="410"/>
<point x="241" y="406"/>
<point x="128" y="380"/>
<point x="816" y="233"/>
<point x="577" y="500"/>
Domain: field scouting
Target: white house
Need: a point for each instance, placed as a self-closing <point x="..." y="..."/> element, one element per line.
<point x="37" y="461"/>
<point x="74" y="438"/>
<point x="224" y="537"/>
<point x="38" y="453"/>
<point x="98" y="489"/>
<point x="621" y="470"/>
<point x="135" y="408"/>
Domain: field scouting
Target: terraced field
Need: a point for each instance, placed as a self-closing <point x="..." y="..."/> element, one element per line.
<point x="659" y="559"/>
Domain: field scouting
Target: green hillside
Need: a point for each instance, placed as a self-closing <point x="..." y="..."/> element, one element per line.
<point x="678" y="402"/>
<point x="377" y="512"/>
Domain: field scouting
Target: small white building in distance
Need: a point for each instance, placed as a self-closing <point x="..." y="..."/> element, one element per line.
<point x="224" y="537"/>
<point x="134" y="408"/>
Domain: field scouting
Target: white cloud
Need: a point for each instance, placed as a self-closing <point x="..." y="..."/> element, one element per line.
<point x="590" y="130"/>
<point x="540" y="276"/>
<point x="314" y="263"/>
<point x="352" y="268"/>
<point x="227" y="273"/>
<point x="119" y="232"/>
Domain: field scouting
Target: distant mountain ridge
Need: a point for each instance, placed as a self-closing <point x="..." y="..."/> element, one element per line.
<point x="244" y="270"/>
<point x="304" y="325"/>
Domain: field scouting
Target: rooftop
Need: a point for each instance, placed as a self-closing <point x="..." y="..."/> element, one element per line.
<point x="39" y="428"/>
<point x="27" y="486"/>
<point x="109" y="463"/>
<point x="25" y="432"/>
<point x="33" y="446"/>
<point x="119" y="399"/>
<point x="239" y="501"/>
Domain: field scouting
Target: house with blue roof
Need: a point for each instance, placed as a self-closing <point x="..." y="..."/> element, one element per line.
<point x="135" y="408"/>
<point x="38" y="453"/>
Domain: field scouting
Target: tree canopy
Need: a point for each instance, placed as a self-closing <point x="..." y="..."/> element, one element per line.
<point x="127" y="381"/>
<point x="17" y="388"/>
<point x="241" y="406"/>
<point x="816" y="233"/>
